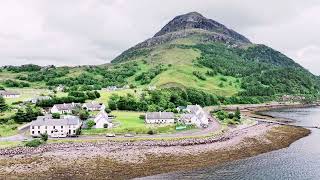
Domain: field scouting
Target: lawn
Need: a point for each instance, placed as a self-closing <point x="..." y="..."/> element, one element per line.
<point x="7" y="144"/>
<point x="8" y="129"/>
<point x="129" y="122"/>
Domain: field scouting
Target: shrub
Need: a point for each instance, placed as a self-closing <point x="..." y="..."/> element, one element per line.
<point x="83" y="114"/>
<point x="55" y="115"/>
<point x="152" y="132"/>
<point x="199" y="75"/>
<point x="142" y="116"/>
<point x="107" y="110"/>
<point x="223" y="79"/>
<point x="44" y="137"/>
<point x="90" y="124"/>
<point x="34" y="143"/>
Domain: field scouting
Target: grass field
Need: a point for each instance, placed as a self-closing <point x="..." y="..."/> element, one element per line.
<point x="129" y="122"/>
<point x="8" y="144"/>
<point x="9" y="129"/>
<point x="26" y="93"/>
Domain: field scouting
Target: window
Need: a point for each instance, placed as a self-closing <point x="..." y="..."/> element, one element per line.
<point x="61" y="127"/>
<point x="32" y="128"/>
<point x="74" y="131"/>
<point x="38" y="132"/>
<point x="54" y="127"/>
<point x="32" y="132"/>
<point x="45" y="127"/>
<point x="38" y="127"/>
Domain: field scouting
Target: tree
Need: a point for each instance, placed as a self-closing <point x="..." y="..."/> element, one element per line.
<point x="107" y="110"/>
<point x="44" y="137"/>
<point x="19" y="116"/>
<point x="3" y="105"/>
<point x="237" y="114"/>
<point x="83" y="114"/>
<point x="55" y="115"/>
<point x="90" y="124"/>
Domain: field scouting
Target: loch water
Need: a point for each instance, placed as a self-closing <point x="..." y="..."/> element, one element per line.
<point x="301" y="160"/>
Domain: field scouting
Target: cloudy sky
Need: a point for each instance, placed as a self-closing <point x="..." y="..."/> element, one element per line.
<point x="76" y="32"/>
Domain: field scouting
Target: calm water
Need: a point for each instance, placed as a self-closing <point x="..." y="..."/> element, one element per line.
<point x="299" y="161"/>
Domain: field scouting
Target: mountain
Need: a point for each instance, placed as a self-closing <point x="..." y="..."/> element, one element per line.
<point x="191" y="53"/>
<point x="201" y="53"/>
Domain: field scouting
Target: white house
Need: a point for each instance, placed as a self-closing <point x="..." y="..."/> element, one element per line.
<point x="152" y="88"/>
<point x="159" y="118"/>
<point x="189" y="119"/>
<point x="67" y="126"/>
<point x="64" y="108"/>
<point x="60" y="88"/>
<point x="94" y="106"/>
<point x="37" y="99"/>
<point x="8" y="94"/>
<point x="196" y="115"/>
<point x="102" y="120"/>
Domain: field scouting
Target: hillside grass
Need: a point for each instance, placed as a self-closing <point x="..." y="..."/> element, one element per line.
<point x="180" y="73"/>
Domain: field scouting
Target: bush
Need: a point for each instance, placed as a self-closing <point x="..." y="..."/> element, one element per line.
<point x="142" y="116"/>
<point x="199" y="75"/>
<point x="44" y="137"/>
<point x="90" y="124"/>
<point x="34" y="143"/>
<point x="55" y="115"/>
<point x="107" y="110"/>
<point x="152" y="132"/>
<point x="83" y="114"/>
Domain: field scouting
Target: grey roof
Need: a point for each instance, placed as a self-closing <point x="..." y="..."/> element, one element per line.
<point x="159" y="115"/>
<point x="102" y="116"/>
<point x="4" y="93"/>
<point x="187" y="116"/>
<point x="193" y="108"/>
<point x="69" y="106"/>
<point x="93" y="105"/>
<point x="48" y="121"/>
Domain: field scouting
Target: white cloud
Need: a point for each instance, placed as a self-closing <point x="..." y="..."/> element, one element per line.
<point x="95" y="31"/>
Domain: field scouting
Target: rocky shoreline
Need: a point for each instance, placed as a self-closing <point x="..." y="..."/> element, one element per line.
<point x="124" y="160"/>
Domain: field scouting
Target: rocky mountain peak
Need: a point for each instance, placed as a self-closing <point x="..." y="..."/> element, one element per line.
<point x="195" y="20"/>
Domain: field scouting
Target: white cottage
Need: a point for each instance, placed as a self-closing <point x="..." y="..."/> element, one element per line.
<point x="94" y="106"/>
<point x="64" y="108"/>
<point x="8" y="94"/>
<point x="67" y="126"/>
<point x="37" y="99"/>
<point x="159" y="118"/>
<point x="102" y="120"/>
<point x="196" y="115"/>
